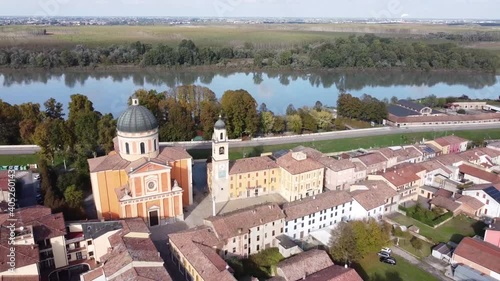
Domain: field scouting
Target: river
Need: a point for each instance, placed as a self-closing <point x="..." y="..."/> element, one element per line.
<point x="109" y="91"/>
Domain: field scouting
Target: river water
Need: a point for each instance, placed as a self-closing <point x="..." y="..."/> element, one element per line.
<point x="109" y="91"/>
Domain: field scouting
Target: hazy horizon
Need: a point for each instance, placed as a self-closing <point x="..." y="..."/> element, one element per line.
<point x="390" y="9"/>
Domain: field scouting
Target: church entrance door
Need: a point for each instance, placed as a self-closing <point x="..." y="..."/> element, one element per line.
<point x="153" y="218"/>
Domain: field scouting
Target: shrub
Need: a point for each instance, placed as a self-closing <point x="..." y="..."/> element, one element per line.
<point x="416" y="243"/>
<point x="461" y="111"/>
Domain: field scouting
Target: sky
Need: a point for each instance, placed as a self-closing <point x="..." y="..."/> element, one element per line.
<point x="456" y="9"/>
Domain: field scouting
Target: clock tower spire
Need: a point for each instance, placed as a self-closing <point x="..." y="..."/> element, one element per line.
<point x="220" y="163"/>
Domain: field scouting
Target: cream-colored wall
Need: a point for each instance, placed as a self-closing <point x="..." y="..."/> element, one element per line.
<point x="266" y="237"/>
<point x="339" y="180"/>
<point x="267" y="181"/>
<point x="295" y="187"/>
<point x="59" y="251"/>
<point x="28" y="270"/>
<point x="185" y="263"/>
<point x="101" y="245"/>
<point x="134" y="140"/>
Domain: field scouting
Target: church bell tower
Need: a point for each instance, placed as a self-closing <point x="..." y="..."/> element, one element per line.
<point x="220" y="162"/>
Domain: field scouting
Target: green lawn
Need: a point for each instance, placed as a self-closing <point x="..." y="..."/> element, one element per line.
<point x="12" y="160"/>
<point x="453" y="230"/>
<point x="371" y="269"/>
<point x="337" y="145"/>
<point x="422" y="253"/>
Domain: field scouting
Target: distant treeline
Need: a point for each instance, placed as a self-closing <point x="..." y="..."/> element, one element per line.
<point x="366" y="51"/>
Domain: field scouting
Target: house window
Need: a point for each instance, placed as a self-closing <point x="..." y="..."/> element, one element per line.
<point x="221" y="150"/>
<point x="221" y="136"/>
<point x="69" y="257"/>
<point x="258" y="247"/>
<point x="487" y="201"/>
<point x="143" y="148"/>
<point x="245" y="246"/>
<point x="91" y="254"/>
<point x="154" y="144"/>
<point x="127" y="148"/>
<point x="258" y="237"/>
<point x="89" y="242"/>
<point x="79" y="256"/>
<point x="234" y="250"/>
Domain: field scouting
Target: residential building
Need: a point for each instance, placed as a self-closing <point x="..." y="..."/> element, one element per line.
<point x="140" y="178"/>
<point x="457" y="203"/>
<point x="434" y="169"/>
<point x="489" y="195"/>
<point x="26" y="261"/>
<point x="492" y="233"/>
<point x="316" y="212"/>
<point x="428" y="151"/>
<point x="450" y="144"/>
<point x="313" y="265"/>
<point x="477" y="175"/>
<point x="287" y="247"/>
<point x="247" y="231"/>
<point x="373" y="198"/>
<point x="195" y="252"/>
<point x="339" y="174"/>
<point x="131" y="255"/>
<point x="300" y="176"/>
<point x="481" y="256"/>
<point x="40" y="231"/>
<point x="374" y="162"/>
<point x="252" y="177"/>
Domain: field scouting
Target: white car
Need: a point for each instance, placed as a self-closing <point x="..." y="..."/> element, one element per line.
<point x="383" y="254"/>
<point x="387" y="250"/>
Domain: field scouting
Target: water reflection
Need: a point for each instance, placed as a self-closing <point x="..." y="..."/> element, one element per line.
<point x="348" y="80"/>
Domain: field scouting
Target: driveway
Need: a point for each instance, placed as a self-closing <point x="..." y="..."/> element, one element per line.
<point x="422" y="265"/>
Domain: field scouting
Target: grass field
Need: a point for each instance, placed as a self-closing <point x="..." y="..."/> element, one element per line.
<point x="453" y="230"/>
<point x="371" y="269"/>
<point x="422" y="253"/>
<point x="260" y="35"/>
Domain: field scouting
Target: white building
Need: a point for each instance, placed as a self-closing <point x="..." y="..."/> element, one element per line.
<point x="316" y="212"/>
<point x="489" y="195"/>
<point x="373" y="199"/>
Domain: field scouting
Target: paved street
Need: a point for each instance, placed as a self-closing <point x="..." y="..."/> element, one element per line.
<point x="423" y="265"/>
<point x="299" y="138"/>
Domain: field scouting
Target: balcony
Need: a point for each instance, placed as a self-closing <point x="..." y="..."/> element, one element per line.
<point x="74" y="237"/>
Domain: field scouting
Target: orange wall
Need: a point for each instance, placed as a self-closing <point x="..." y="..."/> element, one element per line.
<point x="138" y="186"/>
<point x="166" y="207"/>
<point x="177" y="206"/>
<point x="108" y="181"/>
<point x="165" y="180"/>
<point x="180" y="172"/>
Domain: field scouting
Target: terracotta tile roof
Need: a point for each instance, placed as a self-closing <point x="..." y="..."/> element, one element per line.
<point x="113" y="161"/>
<point x="45" y="225"/>
<point x="359" y="166"/>
<point x="4" y="180"/>
<point x="173" y="153"/>
<point x="335" y="273"/>
<point x="445" y="118"/>
<point x="337" y="165"/>
<point x="295" y="167"/>
<point x="134" y="225"/>
<point x="433" y="165"/>
<point x="388" y="152"/>
<point x="304" y="264"/>
<point x="489" y="151"/>
<point x="403" y="175"/>
<point x="470" y="201"/>
<point x="253" y="164"/>
<point x="478" y="173"/>
<point x="450" y="159"/>
<point x="408" y="152"/>
<point x="234" y="223"/>
<point x="198" y="246"/>
<point x="473" y="154"/>
<point x="444" y="193"/>
<point x="446" y="203"/>
<point x="25" y="255"/>
<point x="374" y="195"/>
<point x="372" y="159"/>
<point x="144" y="274"/>
<point x="479" y="252"/>
<point x="313" y="204"/>
<point x="310" y="152"/>
<point x="93" y="274"/>
<point x="20" y="278"/>
<point x="451" y="140"/>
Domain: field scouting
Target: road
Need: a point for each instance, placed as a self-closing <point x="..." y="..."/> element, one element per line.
<point x="19" y="149"/>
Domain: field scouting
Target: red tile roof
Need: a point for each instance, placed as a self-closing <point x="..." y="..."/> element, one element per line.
<point x="479" y="252"/>
<point x="25" y="255"/>
<point x="451" y="140"/>
<point x="304" y="264"/>
<point x="446" y="203"/>
<point x="253" y="164"/>
<point x="374" y="195"/>
<point x="403" y="175"/>
<point x="313" y="204"/>
<point x="4" y="180"/>
<point x="20" y="278"/>
<point x="235" y="223"/>
<point x="479" y="173"/>
<point x="335" y="273"/>
<point x="470" y="201"/>
<point x="372" y="159"/>
<point x="445" y="118"/>
<point x="295" y="167"/>
<point x="198" y="245"/>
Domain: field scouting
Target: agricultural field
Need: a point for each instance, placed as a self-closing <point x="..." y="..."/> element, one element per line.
<point x="276" y="35"/>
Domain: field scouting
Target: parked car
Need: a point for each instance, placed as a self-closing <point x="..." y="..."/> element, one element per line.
<point x="387" y="250"/>
<point x="389" y="260"/>
<point x="36" y="176"/>
<point x="384" y="254"/>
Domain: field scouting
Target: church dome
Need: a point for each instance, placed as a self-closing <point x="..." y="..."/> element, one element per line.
<point x="220" y="125"/>
<point x="136" y="119"/>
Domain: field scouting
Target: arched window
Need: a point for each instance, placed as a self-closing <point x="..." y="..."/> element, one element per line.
<point x="154" y="143"/>
<point x="221" y="136"/>
<point x="221" y="150"/>
<point x="143" y="148"/>
<point x="127" y="148"/>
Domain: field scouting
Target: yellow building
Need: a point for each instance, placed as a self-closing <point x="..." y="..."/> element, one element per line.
<point x="293" y="175"/>
<point x="140" y="178"/>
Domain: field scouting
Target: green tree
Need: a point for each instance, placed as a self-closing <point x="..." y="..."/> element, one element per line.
<point x="240" y="109"/>
<point x="285" y="58"/>
<point x="43" y="138"/>
<point x="53" y="109"/>
<point x="416" y="243"/>
<point x="208" y="117"/>
<point x="308" y="121"/>
<point x="267" y="121"/>
<point x="318" y="106"/>
<point x="179" y="125"/>
<point x="106" y="128"/>
<point x="290" y="110"/>
<point x="78" y="104"/>
<point x="323" y="119"/>
<point x="9" y="124"/>
<point x="294" y="123"/>
<point x="86" y="131"/>
<point x="394" y="100"/>
<point x="279" y="125"/>
<point x="73" y="197"/>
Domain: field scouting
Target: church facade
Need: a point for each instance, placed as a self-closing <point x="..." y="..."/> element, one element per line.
<point x="140" y="178"/>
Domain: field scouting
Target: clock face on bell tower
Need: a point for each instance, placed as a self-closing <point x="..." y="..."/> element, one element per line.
<point x="222" y="171"/>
